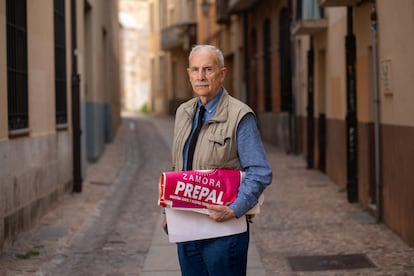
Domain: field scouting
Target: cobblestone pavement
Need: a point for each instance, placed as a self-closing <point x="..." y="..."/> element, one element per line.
<point x="304" y="214"/>
<point x="56" y="230"/>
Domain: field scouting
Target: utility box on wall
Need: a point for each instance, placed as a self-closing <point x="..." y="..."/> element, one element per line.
<point x="386" y="77"/>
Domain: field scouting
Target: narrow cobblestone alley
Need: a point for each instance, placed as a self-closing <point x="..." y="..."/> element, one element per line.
<point x="108" y="229"/>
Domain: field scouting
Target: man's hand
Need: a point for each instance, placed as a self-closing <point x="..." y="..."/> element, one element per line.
<point x="221" y="213"/>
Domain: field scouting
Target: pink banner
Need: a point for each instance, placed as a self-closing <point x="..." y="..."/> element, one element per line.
<point x="195" y="189"/>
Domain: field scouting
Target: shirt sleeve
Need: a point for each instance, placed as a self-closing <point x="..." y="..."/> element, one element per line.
<point x="258" y="173"/>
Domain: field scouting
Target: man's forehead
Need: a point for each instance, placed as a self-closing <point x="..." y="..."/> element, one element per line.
<point x="210" y="62"/>
<point x="202" y="65"/>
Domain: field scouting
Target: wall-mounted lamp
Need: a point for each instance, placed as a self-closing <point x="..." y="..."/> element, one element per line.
<point x="205" y="6"/>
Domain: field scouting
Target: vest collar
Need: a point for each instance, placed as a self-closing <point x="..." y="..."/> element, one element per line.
<point x="221" y="114"/>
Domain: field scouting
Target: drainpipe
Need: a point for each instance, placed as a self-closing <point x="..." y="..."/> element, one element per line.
<point x="76" y="130"/>
<point x="293" y="134"/>
<point x="377" y="141"/>
<point x="246" y="91"/>
<point x="351" y="116"/>
<point x="310" y="108"/>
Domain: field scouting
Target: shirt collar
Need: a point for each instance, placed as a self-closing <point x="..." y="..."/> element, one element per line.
<point x="211" y="106"/>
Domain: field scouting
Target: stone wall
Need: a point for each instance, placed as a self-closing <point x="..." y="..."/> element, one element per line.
<point x="35" y="173"/>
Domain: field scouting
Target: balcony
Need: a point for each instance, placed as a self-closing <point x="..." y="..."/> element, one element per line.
<point x="309" y="18"/>
<point x="237" y="6"/>
<point x="309" y="26"/>
<point x="180" y="35"/>
<point x="337" y="3"/>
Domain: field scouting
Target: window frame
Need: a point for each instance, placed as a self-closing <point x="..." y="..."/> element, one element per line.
<point x="59" y="28"/>
<point x="17" y="67"/>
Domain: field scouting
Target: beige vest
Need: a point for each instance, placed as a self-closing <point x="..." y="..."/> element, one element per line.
<point x="216" y="146"/>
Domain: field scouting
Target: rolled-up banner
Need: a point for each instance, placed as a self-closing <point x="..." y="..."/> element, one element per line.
<point x="193" y="190"/>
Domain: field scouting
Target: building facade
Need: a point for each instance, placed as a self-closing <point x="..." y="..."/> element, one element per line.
<point x="133" y="16"/>
<point x="172" y="33"/>
<point x="328" y="79"/>
<point x="353" y="101"/>
<point x="59" y="101"/>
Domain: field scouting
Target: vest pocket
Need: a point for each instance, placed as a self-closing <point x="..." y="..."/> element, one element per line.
<point x="219" y="147"/>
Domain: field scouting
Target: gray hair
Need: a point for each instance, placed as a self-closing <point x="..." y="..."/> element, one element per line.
<point x="217" y="51"/>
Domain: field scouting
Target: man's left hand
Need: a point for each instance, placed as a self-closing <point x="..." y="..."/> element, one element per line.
<point x="221" y="213"/>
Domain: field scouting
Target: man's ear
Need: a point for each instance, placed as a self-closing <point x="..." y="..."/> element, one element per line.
<point x="223" y="71"/>
<point x="188" y="74"/>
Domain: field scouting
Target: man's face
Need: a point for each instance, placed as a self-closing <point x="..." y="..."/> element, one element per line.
<point x="206" y="75"/>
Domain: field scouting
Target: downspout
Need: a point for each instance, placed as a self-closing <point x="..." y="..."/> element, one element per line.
<point x="377" y="141"/>
<point x="351" y="113"/>
<point x="293" y="133"/>
<point x="246" y="91"/>
<point x="310" y="107"/>
<point x="76" y="129"/>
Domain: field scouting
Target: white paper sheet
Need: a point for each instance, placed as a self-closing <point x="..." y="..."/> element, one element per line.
<point x="254" y="211"/>
<point x="189" y="226"/>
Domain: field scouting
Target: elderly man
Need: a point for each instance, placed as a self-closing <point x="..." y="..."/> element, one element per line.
<point x="215" y="130"/>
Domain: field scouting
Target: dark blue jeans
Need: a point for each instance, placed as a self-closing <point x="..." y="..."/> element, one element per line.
<point x="214" y="257"/>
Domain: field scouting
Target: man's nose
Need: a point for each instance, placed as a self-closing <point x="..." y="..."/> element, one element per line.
<point x="201" y="74"/>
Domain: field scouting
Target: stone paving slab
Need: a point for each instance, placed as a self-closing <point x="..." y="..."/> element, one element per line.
<point x="306" y="214"/>
<point x="65" y="220"/>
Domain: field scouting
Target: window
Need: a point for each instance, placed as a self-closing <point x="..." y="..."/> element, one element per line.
<point x="309" y="10"/>
<point x="60" y="63"/>
<point x="17" y="84"/>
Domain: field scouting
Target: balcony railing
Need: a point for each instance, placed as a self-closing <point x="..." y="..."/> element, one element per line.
<point x="181" y="35"/>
